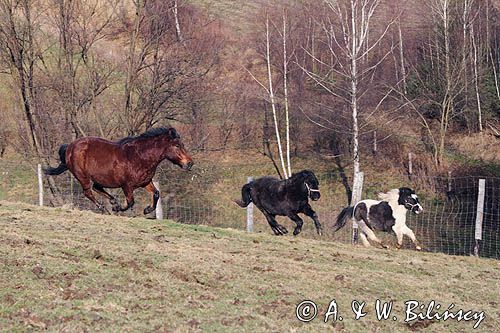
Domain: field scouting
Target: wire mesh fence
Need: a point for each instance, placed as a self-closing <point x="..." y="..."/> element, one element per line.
<point x="447" y="224"/>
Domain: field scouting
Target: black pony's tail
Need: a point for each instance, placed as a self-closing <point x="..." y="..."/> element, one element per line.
<point x="245" y="196"/>
<point x="62" y="166"/>
<point x="343" y="217"/>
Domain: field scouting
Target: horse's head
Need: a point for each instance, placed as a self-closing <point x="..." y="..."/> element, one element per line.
<point x="309" y="182"/>
<point x="409" y="199"/>
<point x="175" y="151"/>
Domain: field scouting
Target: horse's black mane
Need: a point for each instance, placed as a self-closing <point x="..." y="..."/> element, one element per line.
<point x="151" y="133"/>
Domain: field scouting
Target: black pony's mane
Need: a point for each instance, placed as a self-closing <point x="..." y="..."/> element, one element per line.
<point x="302" y="174"/>
<point x="152" y="133"/>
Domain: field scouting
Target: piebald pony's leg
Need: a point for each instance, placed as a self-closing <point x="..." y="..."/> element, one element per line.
<point x="398" y="230"/>
<point x="408" y="232"/>
<point x="369" y="233"/>
<point x="364" y="240"/>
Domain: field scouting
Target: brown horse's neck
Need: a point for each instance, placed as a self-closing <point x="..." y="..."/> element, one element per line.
<point x="151" y="151"/>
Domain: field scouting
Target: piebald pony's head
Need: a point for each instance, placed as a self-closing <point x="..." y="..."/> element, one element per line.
<point x="403" y="196"/>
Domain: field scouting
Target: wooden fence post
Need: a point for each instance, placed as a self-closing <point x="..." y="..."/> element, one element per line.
<point x="410" y="164"/>
<point x="357" y="189"/>
<point x="449" y="181"/>
<point x="159" y="206"/>
<point x="478" y="234"/>
<point x="250" y="212"/>
<point x="40" y="185"/>
<point x="374" y="142"/>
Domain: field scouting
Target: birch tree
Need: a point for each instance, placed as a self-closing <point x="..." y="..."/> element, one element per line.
<point x="346" y="29"/>
<point x="269" y="88"/>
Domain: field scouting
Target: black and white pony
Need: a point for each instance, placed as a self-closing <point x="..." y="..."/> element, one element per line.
<point x="386" y="214"/>
<point x="285" y="198"/>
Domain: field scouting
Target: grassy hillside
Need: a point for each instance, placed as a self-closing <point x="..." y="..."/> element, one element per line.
<point x="73" y="271"/>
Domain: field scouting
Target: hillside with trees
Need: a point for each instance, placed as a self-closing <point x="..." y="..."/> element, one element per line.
<point x="344" y="84"/>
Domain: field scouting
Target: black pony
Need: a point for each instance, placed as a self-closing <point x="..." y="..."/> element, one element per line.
<point x="285" y="198"/>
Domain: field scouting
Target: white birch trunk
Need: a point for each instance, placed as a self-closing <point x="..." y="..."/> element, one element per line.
<point x="177" y="23"/>
<point x="285" y="88"/>
<point x="401" y="56"/>
<point x="273" y="102"/>
<point x="354" y="88"/>
<point x="476" y="80"/>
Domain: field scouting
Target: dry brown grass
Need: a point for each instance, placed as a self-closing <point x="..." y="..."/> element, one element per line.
<point x="480" y="146"/>
<point x="65" y="270"/>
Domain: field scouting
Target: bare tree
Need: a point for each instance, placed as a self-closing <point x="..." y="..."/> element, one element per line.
<point x="80" y="76"/>
<point x="345" y="29"/>
<point x="163" y="73"/>
<point x="269" y="89"/>
<point x="19" y="50"/>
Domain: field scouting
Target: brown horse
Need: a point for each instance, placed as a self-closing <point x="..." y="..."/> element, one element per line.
<point x="128" y="164"/>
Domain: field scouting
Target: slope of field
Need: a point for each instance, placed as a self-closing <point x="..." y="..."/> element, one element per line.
<point x="64" y="270"/>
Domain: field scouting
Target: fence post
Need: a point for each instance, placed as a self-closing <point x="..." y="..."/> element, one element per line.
<point x="357" y="189"/>
<point x="449" y="181"/>
<point x="374" y="142"/>
<point x="71" y="189"/>
<point x="159" y="206"/>
<point x="40" y="185"/>
<point x="250" y="212"/>
<point x="410" y="164"/>
<point x="478" y="235"/>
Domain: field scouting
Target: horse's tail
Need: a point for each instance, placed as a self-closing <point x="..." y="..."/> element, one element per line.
<point x="62" y="166"/>
<point x="343" y="217"/>
<point x="245" y="195"/>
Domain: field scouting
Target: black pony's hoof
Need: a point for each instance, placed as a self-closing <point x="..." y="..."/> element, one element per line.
<point x="280" y="230"/>
<point x="297" y="231"/>
<point x="148" y="210"/>
<point x="320" y="231"/>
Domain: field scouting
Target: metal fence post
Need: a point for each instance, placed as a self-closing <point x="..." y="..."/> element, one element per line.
<point x="250" y="212"/>
<point x="478" y="234"/>
<point x="356" y="197"/>
<point x="40" y="185"/>
<point x="159" y="206"/>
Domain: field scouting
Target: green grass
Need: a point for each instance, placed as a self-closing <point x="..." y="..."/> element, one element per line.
<point x="75" y="270"/>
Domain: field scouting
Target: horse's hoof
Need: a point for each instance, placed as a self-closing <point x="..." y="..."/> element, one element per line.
<point x="320" y="231"/>
<point x="296" y="232"/>
<point x="116" y="209"/>
<point x="148" y="210"/>
<point x="418" y="248"/>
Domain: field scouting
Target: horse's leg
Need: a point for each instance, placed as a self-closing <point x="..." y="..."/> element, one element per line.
<point x="364" y="240"/>
<point x="369" y="233"/>
<point x="278" y="229"/>
<point x="408" y="232"/>
<point x="312" y="214"/>
<point x="298" y="221"/>
<point x="156" y="195"/>
<point x="129" y="196"/>
<point x="399" y="234"/>
<point x="99" y="189"/>
<point x="87" y="190"/>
